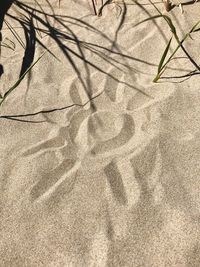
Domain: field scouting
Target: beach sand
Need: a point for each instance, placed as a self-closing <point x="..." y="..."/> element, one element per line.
<point x="104" y="168"/>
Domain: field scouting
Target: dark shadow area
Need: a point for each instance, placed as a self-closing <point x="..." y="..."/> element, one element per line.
<point x="4" y="7"/>
<point x="30" y="36"/>
<point x="61" y="38"/>
<point x="37" y="22"/>
<point x="1" y="70"/>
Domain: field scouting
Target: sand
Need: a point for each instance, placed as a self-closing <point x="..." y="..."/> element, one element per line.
<point x="104" y="171"/>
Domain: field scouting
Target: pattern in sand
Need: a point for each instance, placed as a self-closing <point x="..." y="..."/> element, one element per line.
<point x="111" y="177"/>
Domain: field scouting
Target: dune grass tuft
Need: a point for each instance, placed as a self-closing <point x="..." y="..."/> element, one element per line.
<point x="163" y="61"/>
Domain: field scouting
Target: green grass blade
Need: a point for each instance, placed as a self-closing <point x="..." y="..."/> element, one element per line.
<point x="150" y="18"/>
<point x="194" y="27"/>
<point x="196" y="30"/>
<point x="2" y="98"/>
<point x="171" y="25"/>
<point x="164" y="56"/>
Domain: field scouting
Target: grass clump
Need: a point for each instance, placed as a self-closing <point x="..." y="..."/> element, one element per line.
<point x="164" y="61"/>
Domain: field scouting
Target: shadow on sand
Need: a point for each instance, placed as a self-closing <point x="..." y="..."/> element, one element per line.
<point x="37" y="21"/>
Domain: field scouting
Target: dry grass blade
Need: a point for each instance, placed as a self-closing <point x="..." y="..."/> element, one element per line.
<point x="150" y="18"/>
<point x="160" y="66"/>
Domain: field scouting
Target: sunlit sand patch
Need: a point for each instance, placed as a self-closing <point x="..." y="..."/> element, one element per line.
<point x="104" y="125"/>
<point x="113" y="181"/>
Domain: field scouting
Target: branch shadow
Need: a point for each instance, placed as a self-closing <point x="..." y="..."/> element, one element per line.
<point x="38" y="23"/>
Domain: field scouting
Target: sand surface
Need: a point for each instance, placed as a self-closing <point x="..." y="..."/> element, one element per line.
<point x="106" y="170"/>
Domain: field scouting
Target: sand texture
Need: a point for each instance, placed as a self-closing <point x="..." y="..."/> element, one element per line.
<point x="99" y="166"/>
